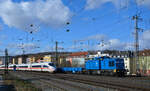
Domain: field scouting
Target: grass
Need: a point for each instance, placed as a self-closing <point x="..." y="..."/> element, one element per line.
<point x="19" y="85"/>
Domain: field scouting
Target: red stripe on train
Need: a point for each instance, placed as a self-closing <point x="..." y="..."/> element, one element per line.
<point x="26" y="68"/>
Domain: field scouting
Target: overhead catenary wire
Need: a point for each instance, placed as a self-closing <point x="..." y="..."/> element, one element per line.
<point x="102" y="15"/>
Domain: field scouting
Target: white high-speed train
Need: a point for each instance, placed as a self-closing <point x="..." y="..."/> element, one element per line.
<point x="43" y="66"/>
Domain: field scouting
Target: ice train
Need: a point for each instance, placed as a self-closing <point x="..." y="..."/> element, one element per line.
<point x="43" y="66"/>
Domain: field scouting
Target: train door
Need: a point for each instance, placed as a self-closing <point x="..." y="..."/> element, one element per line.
<point x="30" y="67"/>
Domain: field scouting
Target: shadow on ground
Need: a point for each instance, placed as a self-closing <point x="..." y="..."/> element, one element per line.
<point x="7" y="88"/>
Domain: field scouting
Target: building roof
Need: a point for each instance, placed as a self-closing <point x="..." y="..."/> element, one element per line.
<point x="79" y="54"/>
<point x="145" y="52"/>
<point x="43" y="53"/>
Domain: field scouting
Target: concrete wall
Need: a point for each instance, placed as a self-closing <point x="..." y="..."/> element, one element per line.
<point x="20" y="60"/>
<point x="127" y="64"/>
<point x="2" y="60"/>
<point x="78" y="62"/>
<point x="132" y="65"/>
<point x="144" y="64"/>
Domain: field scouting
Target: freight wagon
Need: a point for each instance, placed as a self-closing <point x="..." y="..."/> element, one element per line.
<point x="101" y="66"/>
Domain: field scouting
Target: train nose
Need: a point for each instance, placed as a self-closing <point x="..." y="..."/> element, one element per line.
<point x="53" y="69"/>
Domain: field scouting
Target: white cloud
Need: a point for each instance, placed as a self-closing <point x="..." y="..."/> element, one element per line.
<point x="28" y="46"/>
<point x="17" y="48"/>
<point x="129" y="46"/>
<point x="97" y="37"/>
<point x="3" y="37"/>
<point x="111" y="44"/>
<point x="1" y="27"/>
<point x="145" y="41"/>
<point x="143" y="2"/>
<point x="116" y="44"/>
<point x="92" y="4"/>
<point x="16" y="52"/>
<point x="20" y="15"/>
<point x="25" y="45"/>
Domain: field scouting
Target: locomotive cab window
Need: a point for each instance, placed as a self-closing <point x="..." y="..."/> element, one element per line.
<point x="111" y="63"/>
<point x="51" y="64"/>
<point x="102" y="58"/>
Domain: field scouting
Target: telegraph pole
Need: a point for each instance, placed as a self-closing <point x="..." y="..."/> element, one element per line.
<point x="136" y="43"/>
<point x="6" y="61"/>
<point x="56" y="53"/>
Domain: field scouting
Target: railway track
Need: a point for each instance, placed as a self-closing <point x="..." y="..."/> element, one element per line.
<point x="106" y="82"/>
<point x="60" y="84"/>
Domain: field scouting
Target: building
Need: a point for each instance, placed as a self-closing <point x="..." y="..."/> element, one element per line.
<point x="77" y="59"/>
<point x="47" y="58"/>
<point x="18" y="59"/>
<point x="144" y="62"/>
<point x="2" y="60"/>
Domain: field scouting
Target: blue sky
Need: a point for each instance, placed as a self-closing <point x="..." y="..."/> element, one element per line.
<point x="90" y="22"/>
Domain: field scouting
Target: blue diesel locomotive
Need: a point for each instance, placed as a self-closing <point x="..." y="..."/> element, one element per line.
<point x="105" y="66"/>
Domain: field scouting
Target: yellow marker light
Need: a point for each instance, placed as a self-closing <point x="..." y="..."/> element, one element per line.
<point x="114" y="70"/>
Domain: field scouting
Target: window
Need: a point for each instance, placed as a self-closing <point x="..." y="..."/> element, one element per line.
<point x="23" y="66"/>
<point x="51" y="64"/>
<point x="11" y="67"/>
<point x="45" y="66"/>
<point x="100" y="59"/>
<point x="36" y="66"/>
<point x="111" y="63"/>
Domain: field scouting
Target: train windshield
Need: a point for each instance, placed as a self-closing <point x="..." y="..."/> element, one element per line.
<point x="51" y="64"/>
